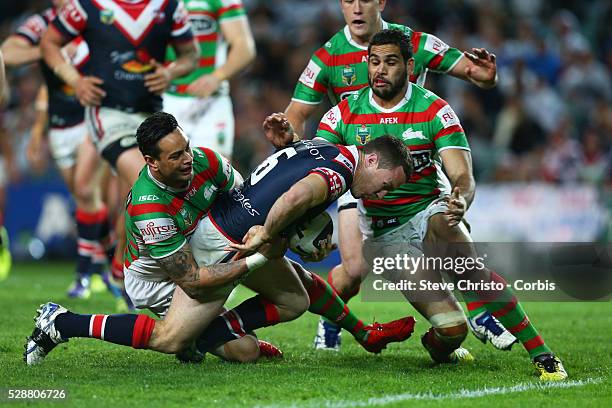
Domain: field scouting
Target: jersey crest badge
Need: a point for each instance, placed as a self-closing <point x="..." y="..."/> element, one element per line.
<point x="107" y="16"/>
<point x="186" y="216"/>
<point x="348" y="75"/>
<point x="362" y="134"/>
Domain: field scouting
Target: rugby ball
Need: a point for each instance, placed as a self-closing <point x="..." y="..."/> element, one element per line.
<point x="307" y="236"/>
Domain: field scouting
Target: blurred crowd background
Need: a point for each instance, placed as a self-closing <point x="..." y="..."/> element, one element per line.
<point x="549" y="120"/>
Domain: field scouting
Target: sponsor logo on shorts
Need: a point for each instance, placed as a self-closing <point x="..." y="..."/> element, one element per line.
<point x="202" y="24"/>
<point x="127" y="141"/>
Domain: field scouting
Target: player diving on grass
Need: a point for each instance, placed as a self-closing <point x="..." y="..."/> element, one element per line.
<point x="175" y="262"/>
<point x="428" y="209"/>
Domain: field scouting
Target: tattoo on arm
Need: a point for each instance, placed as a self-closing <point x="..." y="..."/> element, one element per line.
<point x="196" y="281"/>
<point x="181" y="266"/>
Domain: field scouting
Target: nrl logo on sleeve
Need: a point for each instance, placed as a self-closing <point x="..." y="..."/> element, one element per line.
<point x="156" y="230"/>
<point x="186" y="216"/>
<point x="107" y="16"/>
<point x="362" y="134"/>
<point x="348" y="75"/>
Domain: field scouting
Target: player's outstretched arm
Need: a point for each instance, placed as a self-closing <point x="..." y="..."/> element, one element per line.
<point x="278" y="130"/>
<point x="18" y="51"/>
<point x="307" y="193"/>
<point x="458" y="165"/>
<point x="298" y="113"/>
<point x="198" y="281"/>
<point x="3" y="84"/>
<point x="478" y="67"/>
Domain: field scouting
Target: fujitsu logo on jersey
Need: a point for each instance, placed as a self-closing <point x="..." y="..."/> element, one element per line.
<point x="245" y="202"/>
<point x="156" y="230"/>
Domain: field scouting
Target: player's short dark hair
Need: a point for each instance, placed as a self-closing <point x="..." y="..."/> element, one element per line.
<point x="391" y="153"/>
<point x="152" y="130"/>
<point x="395" y="37"/>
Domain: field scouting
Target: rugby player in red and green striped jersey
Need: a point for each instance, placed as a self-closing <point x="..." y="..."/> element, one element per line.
<point x="200" y="101"/>
<point x="424" y="210"/>
<point x="339" y="69"/>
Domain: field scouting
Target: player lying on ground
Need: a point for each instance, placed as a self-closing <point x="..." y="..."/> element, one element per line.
<point x="422" y="211"/>
<point x="339" y="70"/>
<point x="171" y="196"/>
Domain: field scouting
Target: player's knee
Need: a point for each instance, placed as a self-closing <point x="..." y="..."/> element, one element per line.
<point x="84" y="194"/>
<point x="451" y="325"/>
<point x="243" y="350"/>
<point x="355" y="270"/>
<point x="169" y="340"/>
<point x="295" y="305"/>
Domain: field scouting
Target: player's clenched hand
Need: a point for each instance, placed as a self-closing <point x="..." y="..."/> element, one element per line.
<point x="278" y="130"/>
<point x="274" y="249"/>
<point x="326" y="248"/>
<point x="204" y="86"/>
<point x="159" y="80"/>
<point x="456" y="208"/>
<point x="483" y="70"/>
<point x="255" y="237"/>
<point x="88" y="90"/>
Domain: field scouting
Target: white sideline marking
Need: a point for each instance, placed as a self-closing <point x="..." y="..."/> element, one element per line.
<point x="429" y="396"/>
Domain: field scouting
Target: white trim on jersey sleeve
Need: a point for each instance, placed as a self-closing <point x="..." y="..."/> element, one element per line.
<point x="454" y="64"/>
<point x="306" y="102"/>
<point x="454" y="147"/>
<point x="233" y="18"/>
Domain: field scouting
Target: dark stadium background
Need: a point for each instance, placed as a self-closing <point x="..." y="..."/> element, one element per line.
<point x="545" y="129"/>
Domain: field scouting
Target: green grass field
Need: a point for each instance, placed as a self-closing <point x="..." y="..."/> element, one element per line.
<point x="95" y="374"/>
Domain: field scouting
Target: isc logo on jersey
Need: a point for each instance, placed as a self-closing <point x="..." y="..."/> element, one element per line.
<point x="448" y="117"/>
<point x="156" y="230"/>
<point x="310" y="74"/>
<point x="332" y="117"/>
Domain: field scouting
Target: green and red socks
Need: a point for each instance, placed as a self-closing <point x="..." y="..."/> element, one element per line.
<point x="506" y="308"/>
<point x="325" y="301"/>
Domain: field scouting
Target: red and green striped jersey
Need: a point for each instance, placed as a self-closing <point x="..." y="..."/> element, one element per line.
<point x="159" y="218"/>
<point x="206" y="17"/>
<point x="340" y="67"/>
<point x="424" y="122"/>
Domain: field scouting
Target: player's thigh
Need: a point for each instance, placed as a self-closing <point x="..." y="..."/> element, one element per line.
<point x="64" y="145"/>
<point x="278" y="282"/>
<point x="351" y="243"/>
<point x="187" y="318"/>
<point x="128" y="165"/>
<point x="215" y="128"/>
